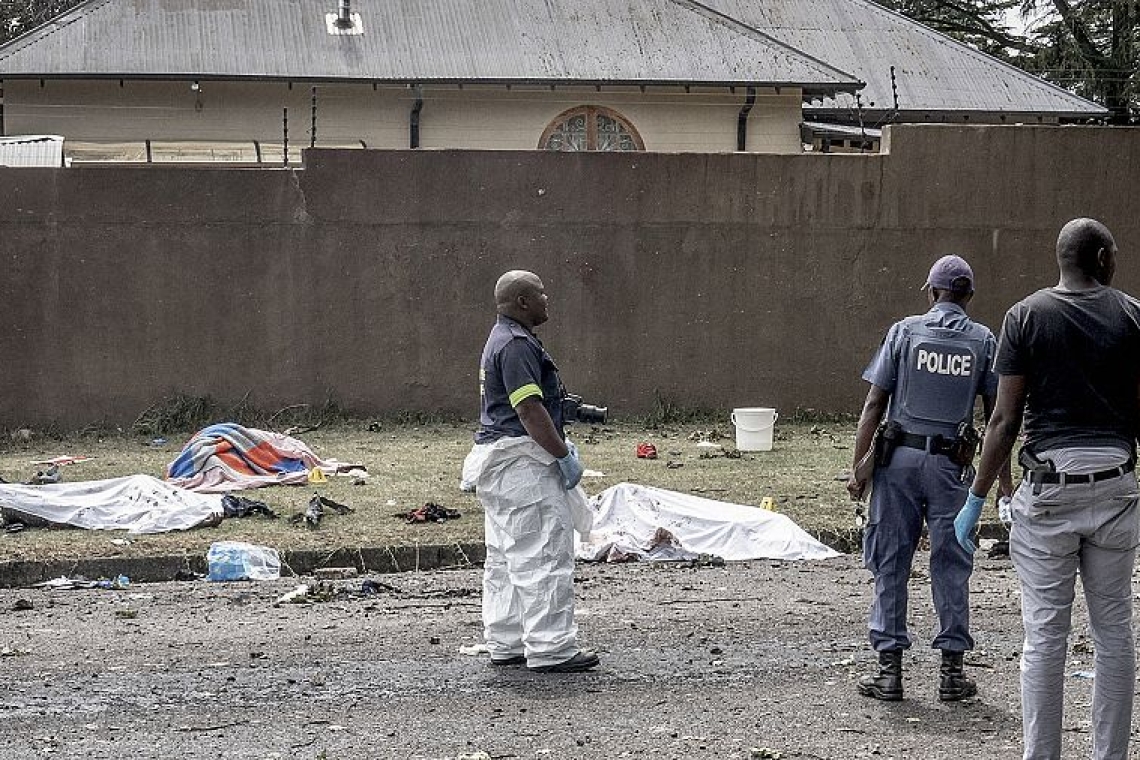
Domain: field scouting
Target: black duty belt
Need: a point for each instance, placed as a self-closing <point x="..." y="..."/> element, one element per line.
<point x="935" y="444"/>
<point x="1064" y="478"/>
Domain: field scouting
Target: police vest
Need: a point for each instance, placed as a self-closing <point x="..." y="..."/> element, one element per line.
<point x="941" y="373"/>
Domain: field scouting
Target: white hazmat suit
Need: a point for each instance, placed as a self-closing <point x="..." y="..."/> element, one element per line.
<point x="528" y="578"/>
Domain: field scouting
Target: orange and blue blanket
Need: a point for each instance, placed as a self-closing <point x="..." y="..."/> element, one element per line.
<point x="230" y="457"/>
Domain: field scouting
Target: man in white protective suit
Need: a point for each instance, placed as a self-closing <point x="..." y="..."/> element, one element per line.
<point x="528" y="486"/>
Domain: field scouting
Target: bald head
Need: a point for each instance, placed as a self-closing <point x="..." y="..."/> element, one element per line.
<point x="1086" y="248"/>
<point x="513" y="284"/>
<point x="520" y="295"/>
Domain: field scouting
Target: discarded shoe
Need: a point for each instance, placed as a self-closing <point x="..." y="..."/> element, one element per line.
<point x="586" y="659"/>
<point x="517" y="659"/>
<point x="646" y="451"/>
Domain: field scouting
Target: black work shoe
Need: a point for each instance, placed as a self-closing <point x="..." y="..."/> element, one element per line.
<point x="954" y="684"/>
<point x="514" y="659"/>
<point x="887" y="683"/>
<point x="584" y="660"/>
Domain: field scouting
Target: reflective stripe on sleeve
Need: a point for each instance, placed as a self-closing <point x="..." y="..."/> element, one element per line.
<point x="528" y="390"/>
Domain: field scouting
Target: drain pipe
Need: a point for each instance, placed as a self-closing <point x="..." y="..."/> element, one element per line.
<point x="742" y="120"/>
<point x="343" y="15"/>
<point x="414" y="119"/>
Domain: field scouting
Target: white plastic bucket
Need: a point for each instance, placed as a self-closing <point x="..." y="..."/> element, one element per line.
<point x="754" y="425"/>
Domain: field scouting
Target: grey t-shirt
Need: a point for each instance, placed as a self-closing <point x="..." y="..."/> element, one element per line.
<point x="1079" y="352"/>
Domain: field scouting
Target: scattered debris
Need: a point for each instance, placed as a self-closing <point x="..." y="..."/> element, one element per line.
<point x="430" y="512"/>
<point x="316" y="511"/>
<point x="127" y="614"/>
<point x="369" y="587"/>
<point x="646" y="451"/>
<point x="1084" y="646"/>
<point x="157" y="443"/>
<point x="78" y="582"/>
<point x="188" y="575"/>
<point x="358" y="474"/>
<point x="60" y="461"/>
<point x="299" y="595"/>
<point x="671" y="465"/>
<point x="1000" y="550"/>
<point x="237" y="560"/>
<point x="116" y="583"/>
<point x="45" y="477"/>
<point x="474" y="649"/>
<point x="1087" y="675"/>
<point x="333" y="573"/>
<point x="763" y="753"/>
<point x="22" y="604"/>
<point x="240" y="506"/>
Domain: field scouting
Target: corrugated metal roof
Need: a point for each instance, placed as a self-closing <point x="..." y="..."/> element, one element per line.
<point x="932" y="72"/>
<point x="31" y="150"/>
<point x="547" y="41"/>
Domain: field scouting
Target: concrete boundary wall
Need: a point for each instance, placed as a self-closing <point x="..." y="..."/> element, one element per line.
<point x="711" y="280"/>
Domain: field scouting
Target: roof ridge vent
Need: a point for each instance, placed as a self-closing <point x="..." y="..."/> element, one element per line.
<point x="344" y="22"/>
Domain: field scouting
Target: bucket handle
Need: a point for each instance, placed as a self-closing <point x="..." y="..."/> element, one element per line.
<point x="775" y="416"/>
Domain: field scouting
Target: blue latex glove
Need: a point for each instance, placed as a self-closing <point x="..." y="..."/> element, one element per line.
<point x="571" y="467"/>
<point x="967" y="521"/>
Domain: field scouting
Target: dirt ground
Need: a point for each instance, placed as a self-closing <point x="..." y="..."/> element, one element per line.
<point x="749" y="660"/>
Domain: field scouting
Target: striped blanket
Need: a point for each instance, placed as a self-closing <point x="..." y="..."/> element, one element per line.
<point x="229" y="457"/>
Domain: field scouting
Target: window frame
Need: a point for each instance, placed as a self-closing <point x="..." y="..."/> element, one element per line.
<point x="591" y="113"/>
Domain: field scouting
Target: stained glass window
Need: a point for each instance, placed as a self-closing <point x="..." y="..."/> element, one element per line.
<point x="591" y="128"/>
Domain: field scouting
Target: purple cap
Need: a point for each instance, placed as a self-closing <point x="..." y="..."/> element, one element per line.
<point x="949" y="272"/>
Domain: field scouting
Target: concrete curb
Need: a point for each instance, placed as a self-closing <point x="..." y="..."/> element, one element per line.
<point x="376" y="559"/>
<point x="380" y="559"/>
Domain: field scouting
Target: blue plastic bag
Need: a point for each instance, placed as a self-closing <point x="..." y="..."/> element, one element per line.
<point x="237" y="561"/>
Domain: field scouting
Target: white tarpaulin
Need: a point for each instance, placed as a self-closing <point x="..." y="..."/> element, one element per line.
<point x="136" y="503"/>
<point x="652" y="523"/>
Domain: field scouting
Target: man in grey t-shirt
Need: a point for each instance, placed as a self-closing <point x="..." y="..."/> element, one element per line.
<point x="1069" y="366"/>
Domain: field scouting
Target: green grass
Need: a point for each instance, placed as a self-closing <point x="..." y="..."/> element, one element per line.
<point x="413" y="460"/>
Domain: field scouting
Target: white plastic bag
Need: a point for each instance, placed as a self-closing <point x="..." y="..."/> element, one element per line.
<point x="236" y="560"/>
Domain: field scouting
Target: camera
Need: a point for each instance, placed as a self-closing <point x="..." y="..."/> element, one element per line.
<point x="574" y="410"/>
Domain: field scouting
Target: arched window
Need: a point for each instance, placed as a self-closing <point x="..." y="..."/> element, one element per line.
<point x="591" y="128"/>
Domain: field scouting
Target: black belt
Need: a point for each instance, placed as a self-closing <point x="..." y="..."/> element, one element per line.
<point x="935" y="444"/>
<point x="1064" y="478"/>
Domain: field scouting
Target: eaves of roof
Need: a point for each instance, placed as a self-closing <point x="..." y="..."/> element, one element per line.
<point x="546" y="42"/>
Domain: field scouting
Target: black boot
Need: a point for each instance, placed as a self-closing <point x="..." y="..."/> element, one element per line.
<point x="954" y="684"/>
<point x="887" y="684"/>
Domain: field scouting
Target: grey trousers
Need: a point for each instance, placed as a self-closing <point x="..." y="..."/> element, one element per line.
<point x="1058" y="531"/>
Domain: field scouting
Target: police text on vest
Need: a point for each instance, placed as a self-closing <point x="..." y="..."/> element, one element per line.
<point x="944" y="364"/>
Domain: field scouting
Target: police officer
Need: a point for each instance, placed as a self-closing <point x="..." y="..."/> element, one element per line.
<point x="924" y="380"/>
<point x="527" y="483"/>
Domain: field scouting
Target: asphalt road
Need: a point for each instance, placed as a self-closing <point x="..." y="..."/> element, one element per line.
<point x="698" y="662"/>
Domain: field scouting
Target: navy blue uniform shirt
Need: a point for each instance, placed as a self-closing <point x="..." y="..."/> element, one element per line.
<point x="514" y="367"/>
